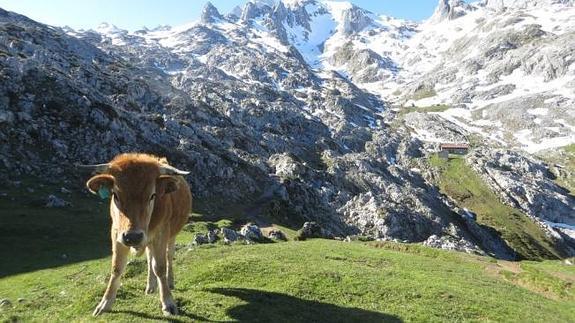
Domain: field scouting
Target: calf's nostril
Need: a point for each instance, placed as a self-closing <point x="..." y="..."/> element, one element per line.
<point x="132" y="238"/>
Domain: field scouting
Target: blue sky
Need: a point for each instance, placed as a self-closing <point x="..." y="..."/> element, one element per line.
<point x="133" y="14"/>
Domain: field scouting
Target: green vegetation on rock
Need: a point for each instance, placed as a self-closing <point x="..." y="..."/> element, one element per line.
<point x="566" y="171"/>
<point x="423" y="93"/>
<point x="432" y="108"/>
<point x="462" y="184"/>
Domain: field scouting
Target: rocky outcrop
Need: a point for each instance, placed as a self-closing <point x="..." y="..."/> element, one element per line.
<point x="210" y="14"/>
<point x="365" y="65"/>
<point x="251" y="233"/>
<point x="435" y="129"/>
<point x="229" y="235"/>
<point x="449" y="10"/>
<point x="199" y="239"/>
<point x="212" y="236"/>
<point x="524" y="183"/>
<point x="276" y="234"/>
<point x="354" y="20"/>
<point x="286" y="167"/>
<point x="55" y="202"/>
<point x="253" y="9"/>
<point x="312" y="230"/>
<point x="448" y="243"/>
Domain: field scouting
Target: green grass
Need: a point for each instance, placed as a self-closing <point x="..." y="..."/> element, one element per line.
<point x="423" y="93"/>
<point x="200" y="226"/>
<point x="50" y="236"/>
<point x="570" y="149"/>
<point x="396" y="92"/>
<point x="462" y="184"/>
<point x="546" y="278"/>
<point x="312" y="281"/>
<point x="404" y="110"/>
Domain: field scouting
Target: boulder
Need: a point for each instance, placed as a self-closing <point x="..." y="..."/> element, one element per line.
<point x="212" y="236"/>
<point x="286" y="167"/>
<point x="276" y="234"/>
<point x="229" y="235"/>
<point x="451" y="243"/>
<point x="54" y="201"/>
<point x="312" y="230"/>
<point x="200" y="239"/>
<point x="251" y="232"/>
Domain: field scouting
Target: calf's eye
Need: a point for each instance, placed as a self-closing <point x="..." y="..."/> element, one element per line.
<point x="153" y="196"/>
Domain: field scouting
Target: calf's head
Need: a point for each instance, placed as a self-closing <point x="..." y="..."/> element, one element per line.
<point x="136" y="186"/>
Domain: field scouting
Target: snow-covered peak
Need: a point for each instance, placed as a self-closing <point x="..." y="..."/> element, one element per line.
<point x="350" y="18"/>
<point x="69" y="30"/>
<point x="263" y="3"/>
<point x="255" y="8"/>
<point x="236" y="12"/>
<point x="449" y="10"/>
<point x="161" y="28"/>
<point x="338" y="6"/>
<point x="107" y="28"/>
<point x="210" y="14"/>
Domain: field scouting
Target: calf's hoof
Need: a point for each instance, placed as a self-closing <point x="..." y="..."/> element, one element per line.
<point x="104" y="306"/>
<point x="150" y="289"/>
<point x="169" y="309"/>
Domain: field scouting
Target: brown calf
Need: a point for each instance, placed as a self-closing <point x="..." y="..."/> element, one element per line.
<point x="150" y="204"/>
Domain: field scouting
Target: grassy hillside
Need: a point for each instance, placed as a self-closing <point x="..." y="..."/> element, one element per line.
<point x="317" y="280"/>
<point x="462" y="184"/>
<point x="56" y="261"/>
<point x="50" y="236"/>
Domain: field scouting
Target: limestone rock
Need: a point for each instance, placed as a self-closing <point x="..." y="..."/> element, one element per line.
<point x="200" y="239"/>
<point x="251" y="232"/>
<point x="55" y="202"/>
<point x="229" y="235"/>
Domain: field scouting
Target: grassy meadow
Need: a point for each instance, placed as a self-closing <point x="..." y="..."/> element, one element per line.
<point x="295" y="281"/>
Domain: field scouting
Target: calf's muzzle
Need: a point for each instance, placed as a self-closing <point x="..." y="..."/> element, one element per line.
<point x="132" y="238"/>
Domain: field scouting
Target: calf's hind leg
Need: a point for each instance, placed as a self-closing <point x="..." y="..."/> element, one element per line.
<point x="170" y="262"/>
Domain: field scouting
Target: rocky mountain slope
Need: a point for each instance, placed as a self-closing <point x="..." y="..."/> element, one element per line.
<point x="286" y="111"/>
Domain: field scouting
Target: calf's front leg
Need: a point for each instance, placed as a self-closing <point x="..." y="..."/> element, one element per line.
<point x="152" y="284"/>
<point x="119" y="260"/>
<point x="158" y="250"/>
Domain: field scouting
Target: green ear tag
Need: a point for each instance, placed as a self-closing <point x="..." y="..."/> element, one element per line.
<point x="104" y="192"/>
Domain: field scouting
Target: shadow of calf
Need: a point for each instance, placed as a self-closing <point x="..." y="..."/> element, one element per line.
<point x="265" y="306"/>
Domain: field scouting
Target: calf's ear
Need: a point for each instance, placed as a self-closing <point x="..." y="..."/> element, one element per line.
<point x="167" y="184"/>
<point x="101" y="185"/>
